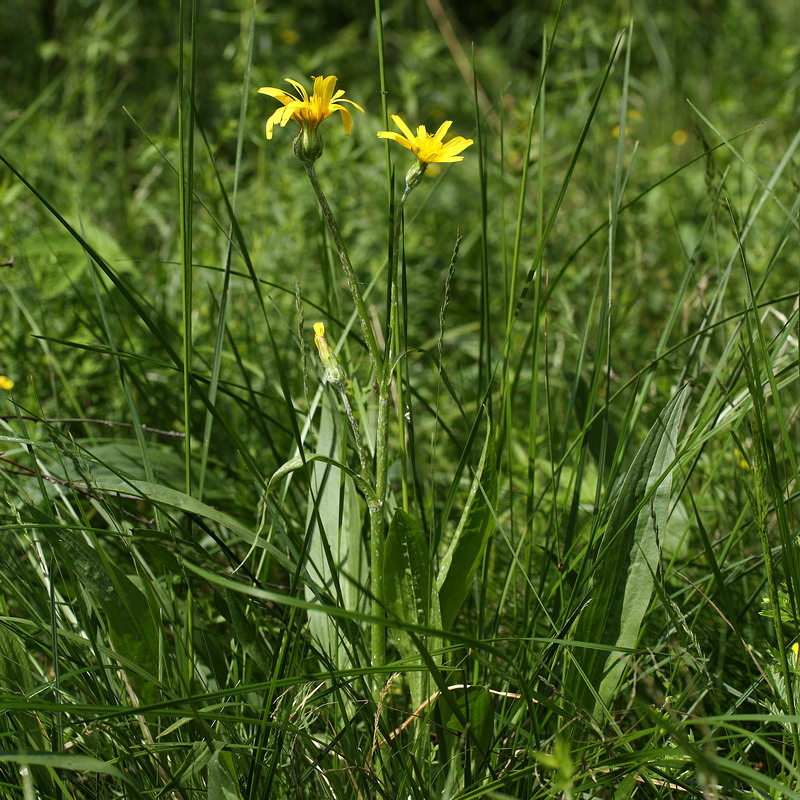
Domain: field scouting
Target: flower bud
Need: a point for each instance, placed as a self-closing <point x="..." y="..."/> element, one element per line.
<point x="333" y="369"/>
<point x="308" y="144"/>
<point x="414" y="175"/>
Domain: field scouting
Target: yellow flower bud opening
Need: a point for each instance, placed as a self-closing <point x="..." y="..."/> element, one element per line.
<point x="333" y="369"/>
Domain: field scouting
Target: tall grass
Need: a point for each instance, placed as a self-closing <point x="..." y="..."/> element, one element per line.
<point x="589" y="568"/>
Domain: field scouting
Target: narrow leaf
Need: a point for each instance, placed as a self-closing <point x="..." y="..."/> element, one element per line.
<point x="171" y="498"/>
<point x="407" y="591"/>
<point x="466" y="550"/>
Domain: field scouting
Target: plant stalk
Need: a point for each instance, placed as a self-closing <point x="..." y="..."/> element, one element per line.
<point x="349" y="272"/>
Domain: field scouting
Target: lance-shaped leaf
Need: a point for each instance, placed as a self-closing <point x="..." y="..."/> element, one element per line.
<point x="408" y="592"/>
<point x="627" y="564"/>
<point x="463" y="556"/>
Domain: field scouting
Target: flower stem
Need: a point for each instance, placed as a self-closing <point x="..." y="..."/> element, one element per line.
<point x="383" y="369"/>
<point x="394" y="338"/>
<point x="377" y="521"/>
<point x="349" y="272"/>
<point x="366" y="472"/>
<point x="377" y="516"/>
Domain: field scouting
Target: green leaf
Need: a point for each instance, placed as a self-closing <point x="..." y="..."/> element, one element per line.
<point x="56" y="250"/>
<point x="466" y="550"/>
<point x="298" y="462"/>
<point x="408" y="593"/>
<point x="75" y="763"/>
<point x="407" y="583"/>
<point x="131" y="627"/>
<point x="171" y="498"/>
<point x="594" y="433"/>
<point x="15" y="673"/>
<point x="468" y="724"/>
<point x="246" y="632"/>
<point x="221" y="784"/>
<point x="336" y="562"/>
<point x="628" y="562"/>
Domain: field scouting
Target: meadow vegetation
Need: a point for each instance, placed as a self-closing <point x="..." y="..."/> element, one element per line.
<point x="520" y="523"/>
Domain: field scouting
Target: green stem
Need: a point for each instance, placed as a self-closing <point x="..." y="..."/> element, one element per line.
<point x="377" y="521"/>
<point x="383" y="371"/>
<point x="366" y="472"/>
<point x="377" y="517"/>
<point x="396" y="338"/>
<point x="349" y="272"/>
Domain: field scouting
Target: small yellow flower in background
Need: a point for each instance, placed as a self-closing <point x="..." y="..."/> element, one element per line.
<point x="741" y="460"/>
<point x="679" y="138"/>
<point x="6" y="383"/>
<point x="633" y="116"/>
<point x="289" y="36"/>
<point x="795" y="648"/>
<point x="428" y="147"/>
<point x="310" y="111"/>
<point x="333" y="369"/>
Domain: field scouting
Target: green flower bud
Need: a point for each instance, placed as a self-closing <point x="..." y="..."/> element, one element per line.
<point x="308" y="144"/>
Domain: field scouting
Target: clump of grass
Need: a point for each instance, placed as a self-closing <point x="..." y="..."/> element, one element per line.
<point x="564" y="405"/>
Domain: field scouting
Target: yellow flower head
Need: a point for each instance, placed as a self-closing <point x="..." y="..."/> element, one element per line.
<point x="333" y="369"/>
<point x="310" y="111"/>
<point x="679" y="137"/>
<point x="428" y="147"/>
<point x="6" y="383"/>
<point x="319" y="336"/>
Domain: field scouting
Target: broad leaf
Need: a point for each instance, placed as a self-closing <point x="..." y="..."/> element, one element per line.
<point x="130" y="625"/>
<point x="221" y="786"/>
<point x="628" y="562"/>
<point x="336" y="564"/>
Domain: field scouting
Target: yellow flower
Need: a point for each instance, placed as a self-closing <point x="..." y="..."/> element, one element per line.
<point x="6" y="383"/>
<point x="310" y="111"/>
<point x="333" y="369"/>
<point x="741" y="460"/>
<point x="289" y="36"/>
<point x="428" y="147"/>
<point x="319" y="336"/>
<point x="679" y="137"/>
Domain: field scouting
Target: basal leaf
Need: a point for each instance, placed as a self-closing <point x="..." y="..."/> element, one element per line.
<point x="407" y="589"/>
<point x="628" y="561"/>
<point x="336" y="562"/>
<point x="466" y="550"/>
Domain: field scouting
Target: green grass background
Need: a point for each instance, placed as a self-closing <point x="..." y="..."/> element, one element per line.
<point x="627" y="228"/>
